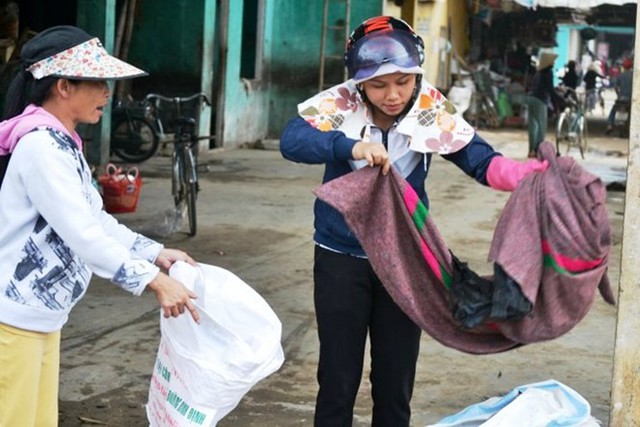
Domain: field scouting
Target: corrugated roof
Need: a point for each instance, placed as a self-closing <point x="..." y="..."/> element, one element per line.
<point x="572" y="4"/>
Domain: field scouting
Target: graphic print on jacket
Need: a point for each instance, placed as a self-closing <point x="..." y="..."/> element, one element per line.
<point x="58" y="286"/>
<point x="54" y="288"/>
<point x="141" y="244"/>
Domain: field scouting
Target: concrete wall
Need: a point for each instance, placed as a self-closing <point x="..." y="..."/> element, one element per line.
<point x="246" y="109"/>
<point x="295" y="54"/>
<point x="167" y="39"/>
<point x="97" y="17"/>
<point x="459" y="21"/>
<point x="442" y="24"/>
<point x="168" y="42"/>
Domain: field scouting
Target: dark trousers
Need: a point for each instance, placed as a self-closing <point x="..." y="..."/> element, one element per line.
<point x="350" y="301"/>
<point x="611" y="120"/>
<point x="537" y="122"/>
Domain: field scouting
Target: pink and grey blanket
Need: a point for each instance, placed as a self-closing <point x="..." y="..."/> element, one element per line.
<point x="552" y="240"/>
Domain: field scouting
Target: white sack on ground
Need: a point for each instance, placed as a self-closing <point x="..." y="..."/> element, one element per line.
<point x="202" y="371"/>
<point x="545" y="404"/>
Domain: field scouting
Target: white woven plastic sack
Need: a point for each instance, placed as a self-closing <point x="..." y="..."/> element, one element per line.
<point x="202" y="371"/>
<point x="545" y="404"/>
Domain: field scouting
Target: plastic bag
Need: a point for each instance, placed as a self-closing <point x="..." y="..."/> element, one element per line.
<point x="504" y="106"/>
<point x="545" y="404"/>
<point x="120" y="191"/>
<point x="202" y="371"/>
<point x="460" y="96"/>
<point x="476" y="299"/>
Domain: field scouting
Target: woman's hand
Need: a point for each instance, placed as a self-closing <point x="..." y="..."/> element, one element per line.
<point x="173" y="296"/>
<point x="167" y="257"/>
<point x="374" y="153"/>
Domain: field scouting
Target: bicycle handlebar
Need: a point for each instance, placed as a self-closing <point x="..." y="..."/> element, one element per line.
<point x="178" y="100"/>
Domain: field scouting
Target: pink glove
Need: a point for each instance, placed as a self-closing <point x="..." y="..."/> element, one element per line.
<point x="505" y="174"/>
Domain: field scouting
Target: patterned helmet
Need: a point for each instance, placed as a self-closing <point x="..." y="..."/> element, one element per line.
<point x="383" y="45"/>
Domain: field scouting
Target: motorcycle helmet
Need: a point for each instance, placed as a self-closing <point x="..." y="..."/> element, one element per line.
<point x="383" y="45"/>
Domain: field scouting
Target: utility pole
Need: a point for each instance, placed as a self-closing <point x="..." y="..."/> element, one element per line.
<point x="98" y="18"/>
<point x="408" y="12"/>
<point x="625" y="387"/>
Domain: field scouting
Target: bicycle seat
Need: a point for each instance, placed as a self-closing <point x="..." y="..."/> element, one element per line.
<point x="184" y="121"/>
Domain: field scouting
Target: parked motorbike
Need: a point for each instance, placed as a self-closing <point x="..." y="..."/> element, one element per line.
<point x="134" y="139"/>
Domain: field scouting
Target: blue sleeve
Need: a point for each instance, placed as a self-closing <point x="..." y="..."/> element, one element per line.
<point x="474" y="158"/>
<point x="300" y="142"/>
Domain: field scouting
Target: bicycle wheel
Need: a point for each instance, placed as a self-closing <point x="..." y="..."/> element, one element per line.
<point x="493" y="121"/>
<point x="582" y="134"/>
<point x="177" y="187"/>
<point x="578" y="136"/>
<point x="562" y="133"/>
<point x="133" y="139"/>
<point x="190" y="176"/>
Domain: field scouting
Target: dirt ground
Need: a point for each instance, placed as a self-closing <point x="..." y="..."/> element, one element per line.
<point x="255" y="220"/>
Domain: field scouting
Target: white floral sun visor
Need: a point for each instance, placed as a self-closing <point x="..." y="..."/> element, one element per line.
<point x="86" y="61"/>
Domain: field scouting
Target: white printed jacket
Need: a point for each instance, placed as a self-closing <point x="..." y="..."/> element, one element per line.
<point x="54" y="233"/>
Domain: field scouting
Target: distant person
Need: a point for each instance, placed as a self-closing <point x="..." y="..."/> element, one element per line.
<point x="590" y="80"/>
<point x="385" y="115"/>
<point x="623" y="85"/>
<point x="543" y="95"/>
<point x="592" y="75"/>
<point x="570" y="78"/>
<point x="55" y="233"/>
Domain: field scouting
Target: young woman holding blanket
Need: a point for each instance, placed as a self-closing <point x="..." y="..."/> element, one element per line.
<point x="385" y="115"/>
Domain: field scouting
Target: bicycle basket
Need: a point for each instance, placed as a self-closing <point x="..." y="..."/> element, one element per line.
<point x="167" y="113"/>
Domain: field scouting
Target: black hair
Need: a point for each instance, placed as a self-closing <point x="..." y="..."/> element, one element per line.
<point x="414" y="96"/>
<point x="24" y="89"/>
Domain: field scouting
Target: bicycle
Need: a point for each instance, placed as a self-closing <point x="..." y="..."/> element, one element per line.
<point x="571" y="128"/>
<point x="622" y="120"/>
<point x="484" y="100"/>
<point x="133" y="136"/>
<point x="184" y="171"/>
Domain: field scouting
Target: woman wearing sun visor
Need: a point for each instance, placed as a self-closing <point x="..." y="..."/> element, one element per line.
<point x="55" y="233"/>
<point x="384" y="116"/>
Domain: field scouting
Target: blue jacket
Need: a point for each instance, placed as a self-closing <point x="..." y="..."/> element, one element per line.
<point x="302" y="143"/>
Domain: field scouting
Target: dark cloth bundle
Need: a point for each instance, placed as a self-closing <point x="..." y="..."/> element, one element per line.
<point x="551" y="245"/>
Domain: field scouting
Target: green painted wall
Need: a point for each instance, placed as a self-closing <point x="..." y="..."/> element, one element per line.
<point x="295" y="55"/>
<point x="167" y="43"/>
<point x="259" y="108"/>
<point x="246" y="112"/>
<point x="97" y="17"/>
<point x="167" y="39"/>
